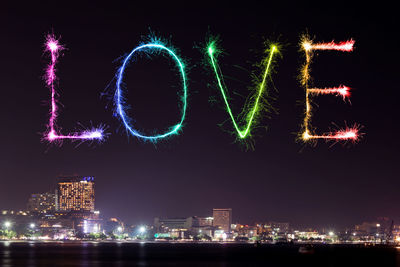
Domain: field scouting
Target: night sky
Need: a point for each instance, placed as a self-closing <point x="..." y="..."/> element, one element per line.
<point x="203" y="167"/>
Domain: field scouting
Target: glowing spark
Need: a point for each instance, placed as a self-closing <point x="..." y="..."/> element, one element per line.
<point x="346" y="46"/>
<point x="349" y="133"/>
<point x="346" y="134"/>
<point x="250" y="114"/>
<point x="119" y="98"/>
<point x="344" y="91"/>
<point x="53" y="46"/>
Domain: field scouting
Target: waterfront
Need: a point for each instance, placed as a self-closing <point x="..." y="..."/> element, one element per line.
<point x="17" y="253"/>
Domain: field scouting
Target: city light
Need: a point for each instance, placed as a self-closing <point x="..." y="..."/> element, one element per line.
<point x="224" y="236"/>
<point x="256" y="102"/>
<point x="53" y="46"/>
<point x="7" y="224"/>
<point x="331" y="233"/>
<point x="120" y="102"/>
<point x="119" y="229"/>
<point x="32" y="225"/>
<point x="142" y="229"/>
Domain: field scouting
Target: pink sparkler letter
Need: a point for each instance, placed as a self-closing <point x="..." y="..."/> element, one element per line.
<point x="53" y="46"/>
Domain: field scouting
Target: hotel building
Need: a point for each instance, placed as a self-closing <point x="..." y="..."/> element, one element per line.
<point x="75" y="193"/>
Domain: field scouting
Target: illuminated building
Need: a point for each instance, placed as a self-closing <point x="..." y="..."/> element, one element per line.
<point x="222" y="219"/>
<point x="368" y="228"/>
<point x="203" y="221"/>
<point x="42" y="203"/>
<point x="166" y="224"/>
<point x="75" y="194"/>
<point x="275" y="227"/>
<point x="112" y="226"/>
<point x="91" y="226"/>
<point x="175" y="227"/>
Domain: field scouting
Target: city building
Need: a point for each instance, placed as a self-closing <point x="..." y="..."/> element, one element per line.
<point x="113" y="225"/>
<point x="202" y="226"/>
<point x="222" y="219"/>
<point x="202" y="221"/>
<point x="165" y="224"/>
<point x="277" y="227"/>
<point x="174" y="227"/>
<point x="241" y="230"/>
<point x="42" y="203"/>
<point x="75" y="193"/>
<point x="368" y="228"/>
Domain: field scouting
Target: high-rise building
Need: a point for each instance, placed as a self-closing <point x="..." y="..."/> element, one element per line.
<point x="42" y="203"/>
<point x="75" y="193"/>
<point x="222" y="219"/>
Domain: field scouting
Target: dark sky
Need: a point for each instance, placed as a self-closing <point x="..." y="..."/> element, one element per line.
<point x="203" y="168"/>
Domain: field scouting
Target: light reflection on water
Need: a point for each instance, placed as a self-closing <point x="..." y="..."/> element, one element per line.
<point x="93" y="253"/>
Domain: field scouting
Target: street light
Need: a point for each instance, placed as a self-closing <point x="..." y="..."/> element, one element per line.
<point x="378" y="230"/>
<point x="119" y="229"/>
<point x="32" y="226"/>
<point x="142" y="229"/>
<point x="7" y="224"/>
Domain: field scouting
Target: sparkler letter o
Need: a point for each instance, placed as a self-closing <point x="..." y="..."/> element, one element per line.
<point x="119" y="99"/>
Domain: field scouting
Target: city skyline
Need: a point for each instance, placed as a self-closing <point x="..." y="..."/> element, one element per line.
<point x="62" y="199"/>
<point x="69" y="214"/>
<point x="203" y="167"/>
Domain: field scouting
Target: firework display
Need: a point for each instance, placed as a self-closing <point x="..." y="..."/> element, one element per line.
<point x="53" y="46"/>
<point x="243" y="124"/>
<point x="255" y="105"/>
<point x="119" y="100"/>
<point x="343" y="91"/>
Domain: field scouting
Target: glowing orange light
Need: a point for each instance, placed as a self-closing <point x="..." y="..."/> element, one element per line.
<point x="343" y="91"/>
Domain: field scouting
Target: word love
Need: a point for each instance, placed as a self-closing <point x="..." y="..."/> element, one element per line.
<point x="252" y="110"/>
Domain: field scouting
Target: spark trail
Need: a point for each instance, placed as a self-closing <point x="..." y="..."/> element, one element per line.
<point x="252" y="112"/>
<point x="53" y="46"/>
<point x="344" y="91"/>
<point x="119" y="100"/>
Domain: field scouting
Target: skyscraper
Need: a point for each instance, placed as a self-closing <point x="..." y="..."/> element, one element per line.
<point x="222" y="219"/>
<point x="42" y="203"/>
<point x="75" y="193"/>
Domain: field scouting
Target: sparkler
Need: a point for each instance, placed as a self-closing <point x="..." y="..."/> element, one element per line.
<point x="119" y="100"/>
<point x="53" y="46"/>
<point x="256" y="105"/>
<point x="343" y="91"/>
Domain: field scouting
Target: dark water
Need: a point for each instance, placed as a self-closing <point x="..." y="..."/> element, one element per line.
<point x="190" y="254"/>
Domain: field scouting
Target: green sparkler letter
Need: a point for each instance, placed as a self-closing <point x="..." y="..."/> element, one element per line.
<point x="255" y="108"/>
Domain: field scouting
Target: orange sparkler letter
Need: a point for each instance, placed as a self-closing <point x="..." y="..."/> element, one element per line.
<point x="343" y="91"/>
